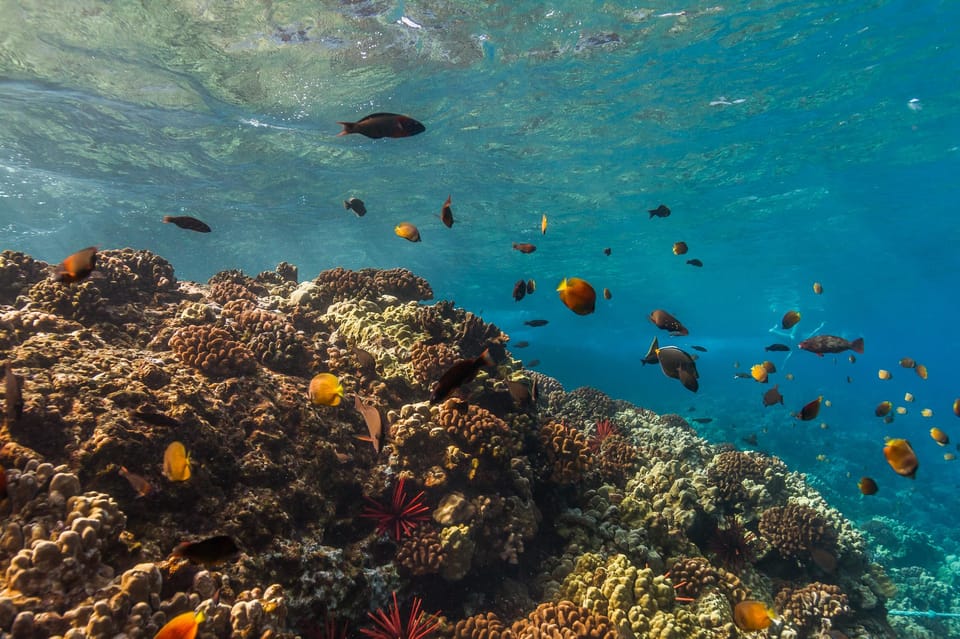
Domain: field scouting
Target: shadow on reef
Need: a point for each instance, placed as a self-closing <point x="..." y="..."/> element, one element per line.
<point x="513" y="507"/>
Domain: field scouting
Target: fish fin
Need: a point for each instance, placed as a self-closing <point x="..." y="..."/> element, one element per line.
<point x="486" y="358"/>
<point x="346" y="204"/>
<point x="167" y="219"/>
<point x="857" y="345"/>
<point x="348" y="127"/>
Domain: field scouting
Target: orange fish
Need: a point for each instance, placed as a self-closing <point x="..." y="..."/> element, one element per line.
<point x="956" y="407"/>
<point x="577" y="295"/>
<point x="77" y="266"/>
<point x="407" y="231"/>
<point x="543" y="224"/>
<point x="137" y="482"/>
<point x="810" y="410"/>
<point x="790" y="319"/>
<point x="679" y="248"/>
<point x="759" y="373"/>
<point x="867" y="486"/>
<point x="883" y="409"/>
<point x="182" y="626"/>
<point x="446" y="214"/>
<point x="666" y="321"/>
<point x="383" y="125"/>
<point x="939" y="436"/>
<point x="884" y="374"/>
<point x="817" y="288"/>
<point x="374" y="421"/>
<point x="750" y="615"/>
<point x="901" y="457"/>
<point x="921" y="370"/>
<point x="524" y="247"/>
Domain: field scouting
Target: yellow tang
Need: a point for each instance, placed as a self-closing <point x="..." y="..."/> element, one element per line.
<point x="325" y="390"/>
<point x="543" y="224"/>
<point x="577" y="295"/>
<point x="183" y="626"/>
<point x="176" y="462"/>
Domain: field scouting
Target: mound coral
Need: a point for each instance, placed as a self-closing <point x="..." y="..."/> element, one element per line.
<point x="567" y="452"/>
<point x="795" y="530"/>
<point x="806" y="606"/>
<point x="212" y="350"/>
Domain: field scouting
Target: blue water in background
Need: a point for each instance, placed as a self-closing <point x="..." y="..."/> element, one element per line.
<point x="812" y="164"/>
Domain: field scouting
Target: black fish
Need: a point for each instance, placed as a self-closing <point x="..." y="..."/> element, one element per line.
<point x="458" y="374"/>
<point x="13" y="394"/>
<point x="777" y="347"/>
<point x="186" y="222"/>
<point x="157" y="419"/>
<point x="519" y="290"/>
<point x="702" y="420"/>
<point x="677" y="364"/>
<point x="651" y="356"/>
<point x="694" y="262"/>
<point x="383" y="125"/>
<point x="742" y="376"/>
<point x="699" y="348"/>
<point x="209" y="552"/>
<point x="536" y="322"/>
<point x="521" y="344"/>
<point x="607" y="251"/>
<point x="356" y="205"/>
<point x="660" y="211"/>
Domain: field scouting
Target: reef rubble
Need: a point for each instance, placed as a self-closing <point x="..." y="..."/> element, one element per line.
<point x="550" y="513"/>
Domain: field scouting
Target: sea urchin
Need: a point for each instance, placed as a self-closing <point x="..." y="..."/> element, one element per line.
<point x="389" y="626"/>
<point x="400" y="516"/>
<point x="731" y="544"/>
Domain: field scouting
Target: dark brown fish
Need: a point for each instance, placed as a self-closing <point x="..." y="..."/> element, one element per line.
<point x="607" y="251"/>
<point x="810" y="410"/>
<point x="666" y="321"/>
<point x="536" y="322"/>
<point x="651" y="356"/>
<point x="446" y="214"/>
<point x="521" y="344"/>
<point x="13" y="394"/>
<point x="524" y="247"/>
<point x="186" y="222"/>
<point x="522" y="394"/>
<point x="356" y="205"/>
<point x="660" y="211"/>
<point x="76" y="267"/>
<point x="383" y="125"/>
<point x="366" y="360"/>
<point x="533" y="363"/>
<point x="607" y="294"/>
<point x="695" y="262"/>
<point x="790" y="319"/>
<point x="531" y="286"/>
<point x="208" y="552"/>
<point x="460" y="373"/>
<point x="824" y="559"/>
<point x="679" y="365"/>
<point x="519" y="290"/>
<point x="374" y="421"/>
<point x="821" y="344"/>
<point x="777" y="348"/>
<point x="772" y="396"/>
<point x="699" y="348"/>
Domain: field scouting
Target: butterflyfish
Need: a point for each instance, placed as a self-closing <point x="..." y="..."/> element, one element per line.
<point x="901" y="457"/>
<point x="577" y="295"/>
<point x="407" y="231"/>
<point x="679" y="248"/>
<point x="867" y="486"/>
<point x="790" y="319"/>
<point x="939" y="436"/>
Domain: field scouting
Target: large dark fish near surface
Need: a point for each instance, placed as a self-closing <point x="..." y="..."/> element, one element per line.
<point x="383" y="125"/>
<point x="458" y="374"/>
<point x="209" y="551"/>
<point x="186" y="222"/>
<point x="680" y="365"/>
<point x="13" y="394"/>
<point x="821" y="344"/>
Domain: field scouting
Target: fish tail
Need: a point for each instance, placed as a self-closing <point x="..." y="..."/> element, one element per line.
<point x="348" y="127"/>
<point x="857" y="345"/>
<point x="485" y="358"/>
<point x="166" y="219"/>
<point x="346" y="203"/>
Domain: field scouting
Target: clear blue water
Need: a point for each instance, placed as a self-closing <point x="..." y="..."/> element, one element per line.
<point x="794" y="141"/>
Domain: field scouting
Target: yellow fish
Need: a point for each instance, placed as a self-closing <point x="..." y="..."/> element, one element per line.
<point x="182" y="626"/>
<point x="926" y="412"/>
<point x="543" y="224"/>
<point x="407" y="231"/>
<point x="325" y="390"/>
<point x="176" y="462"/>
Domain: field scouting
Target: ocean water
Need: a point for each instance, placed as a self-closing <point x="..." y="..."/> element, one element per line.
<point x="793" y="141"/>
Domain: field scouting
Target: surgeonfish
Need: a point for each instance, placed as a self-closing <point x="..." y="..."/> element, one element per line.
<point x="383" y="125"/>
<point x="325" y="390"/>
<point x="77" y="266"/>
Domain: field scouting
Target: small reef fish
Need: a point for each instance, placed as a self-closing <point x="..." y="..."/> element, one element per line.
<point x="407" y="231"/>
<point x="699" y="348"/>
<point x="902" y="459"/>
<point x="533" y="363"/>
<point x="182" y="626"/>
<point x="76" y="267"/>
<point x="383" y="125"/>
<point x="325" y="390"/>
<point x="660" y="211"/>
<point x="821" y="344"/>
<point x="908" y="397"/>
<point x="939" y="436"/>
<point x="187" y="222"/>
<point x="13" y="395"/>
<point x="374" y="421"/>
<point x="446" y="214"/>
<point x="524" y="247"/>
<point x="208" y="552"/>
<point x="742" y="375"/>
<point x="356" y="205"/>
<point x="519" y="290"/>
<point x="607" y="294"/>
<point x="818" y="288"/>
<point x="577" y="295"/>
<point x="140" y="485"/>
<point x="695" y="262"/>
<point x="176" y="462"/>
<point x="536" y="322"/>
<point x="750" y="440"/>
<point x="607" y="251"/>
<point x="664" y="320"/>
<point x="543" y="224"/>
<point x="769" y="366"/>
<point x="531" y="286"/>
<point x="810" y="410"/>
<point x="157" y="419"/>
<point x="522" y="393"/>
<point x="459" y="374"/>
<point x="679" y="248"/>
<point x="750" y="615"/>
<point x="901" y="410"/>
<point x="883" y="409"/>
<point x="777" y="348"/>
<point x="521" y="344"/>
<point x="926" y="412"/>
<point x="884" y="374"/>
<point x="702" y="420"/>
<point x="772" y="396"/>
<point x="921" y="371"/>
<point x="946" y="457"/>
<point x="790" y="319"/>
<point x="759" y="373"/>
<point x="956" y="407"/>
<point x="867" y="486"/>
<point x="678" y="364"/>
<point x="651" y="356"/>
<point x="908" y="362"/>
<point x="824" y="559"/>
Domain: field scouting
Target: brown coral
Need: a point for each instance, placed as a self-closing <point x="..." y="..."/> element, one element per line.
<point x="616" y="458"/>
<point x="805" y="607"/>
<point x="370" y="284"/>
<point x="794" y="530"/>
<point x="478" y="430"/>
<point x="567" y="451"/>
<point x="82" y="302"/>
<point x="728" y="471"/>
<point x="18" y="272"/>
<point x="274" y="341"/>
<point x="422" y="552"/>
<point x="429" y="361"/>
<point x="564" y="620"/>
<point x="212" y="350"/>
<point x="482" y="626"/>
<point x="226" y="291"/>
<point x="698" y="576"/>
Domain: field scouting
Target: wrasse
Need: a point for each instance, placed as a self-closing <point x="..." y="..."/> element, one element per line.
<point x="383" y="125"/>
<point x="186" y="222"/>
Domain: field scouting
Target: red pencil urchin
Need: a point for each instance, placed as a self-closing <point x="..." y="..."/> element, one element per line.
<point x="389" y="625"/>
<point x="605" y="428"/>
<point x="400" y="516"/>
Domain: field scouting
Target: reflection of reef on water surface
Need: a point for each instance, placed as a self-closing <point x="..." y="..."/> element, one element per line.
<point x="539" y="519"/>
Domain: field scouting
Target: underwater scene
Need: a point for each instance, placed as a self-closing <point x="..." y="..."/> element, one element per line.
<point x="461" y="319"/>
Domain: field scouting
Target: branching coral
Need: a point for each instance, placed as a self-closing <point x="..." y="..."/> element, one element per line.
<point x="694" y="576"/>
<point x="422" y="552"/>
<point x="564" y="620"/>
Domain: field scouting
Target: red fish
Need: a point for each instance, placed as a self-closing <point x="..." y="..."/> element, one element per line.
<point x="668" y="322"/>
<point x="459" y="374"/>
<point x="383" y="125"/>
<point x="821" y="344"/>
<point x="524" y="247"/>
<point x="76" y="267"/>
<point x="810" y="410"/>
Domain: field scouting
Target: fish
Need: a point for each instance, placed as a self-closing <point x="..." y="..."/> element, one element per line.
<point x="536" y="322"/>
<point x="742" y="375"/>
<point x="867" y="486"/>
<point x="207" y="552"/>
<point x="577" y="295"/>
<point x="677" y="364"/>
<point x="820" y="344"/>
<point x="543" y="224"/>
<point x="365" y="359"/>
<point x="884" y="374"/>
<point x="883" y="409"/>
<point x="139" y="484"/>
<point x="939" y="436"/>
<point x="852" y="358"/>
<point x="187" y="222"/>
<point x="176" y="462"/>
<point x="12" y="394"/>
<point x="374" y="421"/>
<point x="522" y="394"/>
<point x="521" y="344"/>
<point x="183" y="626"/>
<point x="607" y="294"/>
<point x="664" y="320"/>
<point x="956" y="407"/>
<point x="679" y="248"/>
<point x="949" y="457"/>
<point x="750" y="615"/>
<point x="651" y="356"/>
<point x="446" y="214"/>
<point x="695" y="262"/>
<point x="810" y="410"/>
<point x="921" y="371"/>
<point x="383" y="125"/>
<point x="155" y="418"/>
<point x="607" y="251"/>
<point x="818" y="288"/>
<point x="790" y="319"/>
<point x="926" y="412"/>
<point x="699" y="348"/>
<point x="660" y="211"/>
<point x="407" y="231"/>
<point x="458" y="374"/>
<point x="519" y="290"/>
<point x="356" y="205"/>
<point x="901" y="410"/>
<point x="533" y="363"/>
<point x="908" y="362"/>
<point x="524" y="247"/>
<point x="789" y="376"/>
<point x="531" y="286"/>
<point x="777" y="348"/>
<point x="325" y="390"/>
<point x="769" y="366"/>
<point x="702" y="420"/>
<point x="908" y="397"/>
<point x="76" y="267"/>
<point x="750" y="440"/>
<point x="759" y="373"/>
<point x="902" y="459"/>
<point x="772" y="396"/>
